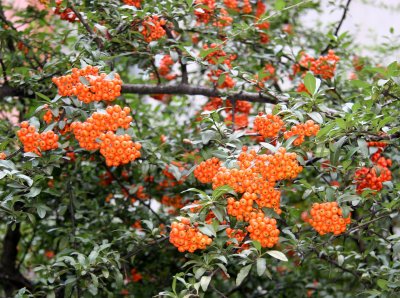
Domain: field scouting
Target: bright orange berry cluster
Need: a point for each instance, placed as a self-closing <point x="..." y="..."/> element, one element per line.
<point x="207" y="169"/>
<point x="268" y="125"/>
<point x="258" y="174"/>
<point x="377" y="144"/>
<point x="246" y="8"/>
<point x="65" y="14"/>
<point x="302" y="130"/>
<point x="213" y="104"/>
<point x="324" y="66"/>
<point x="87" y="132"/>
<point x="165" y="67"/>
<point x="135" y="3"/>
<point x="223" y="19"/>
<point x="206" y="11"/>
<point x="242" y="208"/>
<point x="152" y="28"/>
<point x="218" y="55"/>
<point x="228" y="82"/>
<point x="48" y="116"/>
<point x="3" y="156"/>
<point x="118" y="149"/>
<point x="263" y="229"/>
<point x="327" y="218"/>
<point x="176" y="202"/>
<point x="374" y="177"/>
<point x="302" y="88"/>
<point x="241" y="120"/>
<point x="94" y="88"/>
<point x="232" y="4"/>
<point x="35" y="142"/>
<point x="241" y="106"/>
<point x="237" y="234"/>
<point x="186" y="238"/>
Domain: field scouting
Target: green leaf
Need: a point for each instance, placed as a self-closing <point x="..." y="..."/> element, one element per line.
<point x="41" y="211"/>
<point x="316" y="117"/>
<point x="310" y="82"/>
<point x="243" y="274"/>
<point x="382" y="284"/>
<point x="199" y="272"/>
<point x="220" y="191"/>
<point x="257" y="245"/>
<point x="261" y="266"/>
<point x="204" y="282"/>
<point x="41" y="95"/>
<point x="277" y="255"/>
<point x="280" y="4"/>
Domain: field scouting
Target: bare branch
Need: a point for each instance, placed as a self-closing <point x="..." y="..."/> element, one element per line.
<point x="185" y="89"/>
<point x="86" y="25"/>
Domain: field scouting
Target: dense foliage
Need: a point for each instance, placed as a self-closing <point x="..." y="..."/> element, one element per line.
<point x="196" y="148"/>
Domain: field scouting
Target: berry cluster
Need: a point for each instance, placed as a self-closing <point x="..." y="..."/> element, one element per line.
<point x="135" y="275"/>
<point x="214" y="76"/>
<point x="88" y="86"/>
<point x="263" y="229"/>
<point x="207" y="169"/>
<point x="223" y="19"/>
<point x="206" y="11"/>
<point x="257" y="174"/>
<point x="324" y="66"/>
<point x="374" y="177"/>
<point x="327" y="218"/>
<point x="97" y="132"/>
<point x="241" y="106"/>
<point x="48" y="116"/>
<point x="35" y="142"/>
<point x="135" y="3"/>
<point x="165" y="68"/>
<point x="65" y="14"/>
<point x="87" y="132"/>
<point x="176" y="202"/>
<point x="186" y="238"/>
<point x="241" y="120"/>
<point x="236" y="237"/>
<point x="152" y="28"/>
<point x="118" y="149"/>
<point x="262" y="26"/>
<point x="232" y="4"/>
<point x="3" y="156"/>
<point x="302" y="88"/>
<point x="213" y="104"/>
<point x="302" y="130"/>
<point x="242" y="208"/>
<point x="268" y="125"/>
<point x="218" y="55"/>
<point x="246" y="8"/>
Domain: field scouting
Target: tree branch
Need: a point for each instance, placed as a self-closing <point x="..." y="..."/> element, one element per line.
<point x="185" y="89"/>
<point x="86" y="25"/>
<point x="346" y="9"/>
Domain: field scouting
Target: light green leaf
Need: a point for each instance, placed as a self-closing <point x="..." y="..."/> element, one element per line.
<point x="277" y="255"/>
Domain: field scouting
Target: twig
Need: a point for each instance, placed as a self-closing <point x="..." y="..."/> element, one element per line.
<point x="346" y="9"/>
<point x="185" y="78"/>
<point x="86" y="25"/>
<point x="3" y="67"/>
<point x="15" y="153"/>
<point x="28" y="246"/>
<point x="139" y="200"/>
<point x="186" y="89"/>
<point x="132" y="253"/>
<point x="153" y="65"/>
